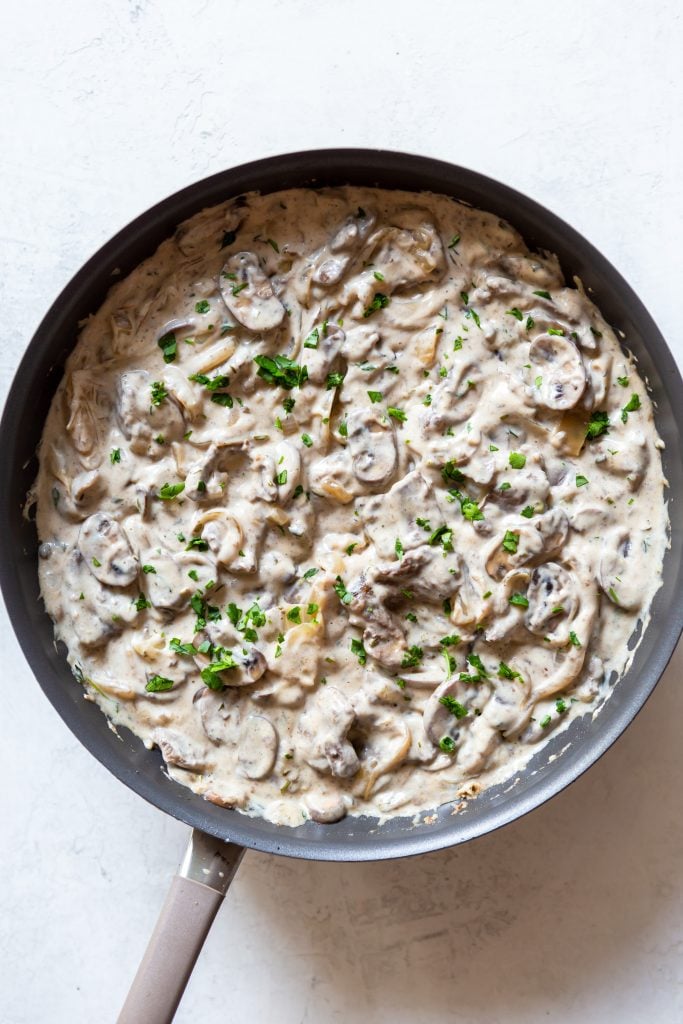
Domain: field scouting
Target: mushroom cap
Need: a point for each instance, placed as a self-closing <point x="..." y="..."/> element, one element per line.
<point x="104" y="545"/>
<point x="248" y="293"/>
<point x="372" y="444"/>
<point x="257" y="748"/>
<point x="563" y="377"/>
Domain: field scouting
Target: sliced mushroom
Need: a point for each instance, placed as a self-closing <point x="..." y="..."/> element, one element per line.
<point x="325" y="806"/>
<point x="332" y="477"/>
<point x="287" y="470"/>
<point x="176" y="749"/>
<point x="322" y="734"/>
<point x="428" y="572"/>
<point x="454" y="399"/>
<point x="439" y="721"/>
<point x="383" y="637"/>
<point x="203" y="479"/>
<point x="104" y="545"/>
<point x="622" y="572"/>
<point x="258" y="745"/>
<point x="321" y="359"/>
<point x="395" y="513"/>
<point x="169" y="586"/>
<point x="141" y="420"/>
<point x="334" y="259"/>
<point x="251" y="665"/>
<point x="88" y="405"/>
<point x="552" y="593"/>
<point x="409" y="256"/>
<point x="630" y="459"/>
<point x="248" y="293"/>
<point x="219" y="714"/>
<point x="372" y="444"/>
<point x="563" y="376"/>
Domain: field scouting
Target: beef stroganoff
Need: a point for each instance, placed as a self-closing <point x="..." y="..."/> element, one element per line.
<point x="347" y="502"/>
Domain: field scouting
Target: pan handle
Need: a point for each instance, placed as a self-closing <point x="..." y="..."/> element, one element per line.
<point x="195" y="895"/>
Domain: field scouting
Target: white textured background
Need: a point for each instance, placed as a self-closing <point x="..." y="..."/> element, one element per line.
<point x="572" y="915"/>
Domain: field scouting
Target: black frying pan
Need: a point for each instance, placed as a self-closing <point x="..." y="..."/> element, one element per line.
<point x="221" y="835"/>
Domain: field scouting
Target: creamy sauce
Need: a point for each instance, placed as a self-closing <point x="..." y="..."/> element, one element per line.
<point x="319" y="513"/>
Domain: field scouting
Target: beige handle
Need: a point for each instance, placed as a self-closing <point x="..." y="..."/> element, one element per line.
<point x="192" y="902"/>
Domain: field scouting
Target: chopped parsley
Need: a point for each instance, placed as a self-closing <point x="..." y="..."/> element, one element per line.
<point x="517" y="313"/>
<point x="380" y="301"/>
<point x="396" y="414"/>
<point x="115" y="455"/>
<point x="358" y="649"/>
<point x="203" y="611"/>
<point x="378" y="276"/>
<point x="180" y="648"/>
<point x="344" y="429"/>
<point x="334" y="380"/>
<point x="281" y="478"/>
<point x="450" y="641"/>
<point x="597" y="425"/>
<point x="477" y="663"/>
<point x="542" y="294"/>
<point x="623" y="381"/>
<point x="141" y="603"/>
<point x="527" y="512"/>
<point x="470" y="509"/>
<point x="632" y="405"/>
<point x="581" y="480"/>
<point x="222" y="399"/>
<point x="517" y="460"/>
<point x="412" y="657"/>
<point x="198" y="544"/>
<point x="510" y="542"/>
<point x="210" y="383"/>
<point x="169" y="491"/>
<point x="159" y="392"/>
<point x="222" y="660"/>
<point x="454" y="706"/>
<point x="307" y="440"/>
<point x="442" y="535"/>
<point x="342" y="593"/>
<point x="158" y="684"/>
<point x="447" y="743"/>
<point x="148" y="569"/>
<point x="310" y="573"/>
<point x="425" y="524"/>
<point x="398" y="548"/>
<point x="573" y="639"/>
<point x="519" y="600"/>
<point x="530" y="322"/>
<point x="202" y="306"/>
<point x="613" y="595"/>
<point x="545" y="722"/>
<point x="375" y="396"/>
<point x="294" y="614"/>
<point x="169" y="346"/>
<point x="454" y="241"/>
<point x="280" y="371"/>
<point x="505" y="672"/>
<point x="451" y="472"/>
<point x="560" y="706"/>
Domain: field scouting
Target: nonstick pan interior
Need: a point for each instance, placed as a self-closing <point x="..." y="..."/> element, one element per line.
<point x="21" y="426"/>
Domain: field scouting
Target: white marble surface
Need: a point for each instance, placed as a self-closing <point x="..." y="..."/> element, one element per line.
<point x="571" y="915"/>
